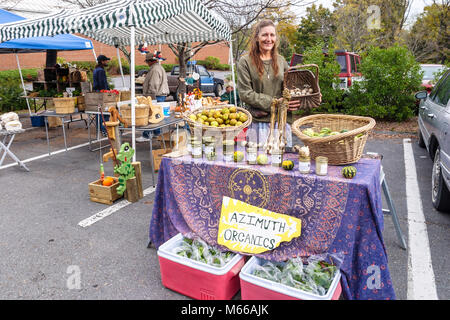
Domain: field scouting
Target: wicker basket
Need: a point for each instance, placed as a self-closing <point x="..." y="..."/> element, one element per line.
<point x="65" y="105"/>
<point x="340" y="149"/>
<point x="142" y="112"/>
<point x="299" y="76"/>
<point x="225" y="131"/>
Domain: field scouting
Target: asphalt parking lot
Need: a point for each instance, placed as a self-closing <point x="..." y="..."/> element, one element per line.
<point x="43" y="246"/>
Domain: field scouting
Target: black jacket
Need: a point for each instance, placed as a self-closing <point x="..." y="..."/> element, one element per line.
<point x="100" y="81"/>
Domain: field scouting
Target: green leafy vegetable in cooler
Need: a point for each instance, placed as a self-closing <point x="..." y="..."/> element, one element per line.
<point x="315" y="277"/>
<point x="198" y="250"/>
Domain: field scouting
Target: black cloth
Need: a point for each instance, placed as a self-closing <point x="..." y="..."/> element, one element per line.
<point x="100" y="81"/>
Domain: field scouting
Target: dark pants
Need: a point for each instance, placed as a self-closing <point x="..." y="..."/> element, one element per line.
<point x="102" y="125"/>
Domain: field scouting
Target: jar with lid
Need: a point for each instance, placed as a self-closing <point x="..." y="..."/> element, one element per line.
<point x="196" y="149"/>
<point x="208" y="141"/>
<point x="304" y="164"/>
<point x="210" y="145"/>
<point x="252" y="155"/>
<point x="321" y="166"/>
<point x="277" y="157"/>
<point x="190" y="143"/>
<point x="228" y="156"/>
<point x="228" y="146"/>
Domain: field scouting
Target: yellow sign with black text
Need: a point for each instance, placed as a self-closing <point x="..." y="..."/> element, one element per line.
<point x="249" y="229"/>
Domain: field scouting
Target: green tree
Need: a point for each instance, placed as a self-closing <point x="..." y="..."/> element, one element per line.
<point x="391" y="77"/>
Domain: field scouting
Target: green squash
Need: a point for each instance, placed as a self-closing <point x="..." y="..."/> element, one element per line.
<point x="287" y="165"/>
<point x="349" y="172"/>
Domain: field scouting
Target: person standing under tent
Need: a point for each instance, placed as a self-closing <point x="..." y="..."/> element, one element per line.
<point x="260" y="79"/>
<point x="101" y="83"/>
<point x="155" y="84"/>
<point x="229" y="94"/>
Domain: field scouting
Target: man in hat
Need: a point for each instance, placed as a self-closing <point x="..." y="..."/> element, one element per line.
<point x="155" y="84"/>
<point x="101" y="83"/>
<point x="100" y="80"/>
<point x="229" y="94"/>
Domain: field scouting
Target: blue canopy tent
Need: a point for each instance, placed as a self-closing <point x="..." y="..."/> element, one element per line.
<point x="63" y="42"/>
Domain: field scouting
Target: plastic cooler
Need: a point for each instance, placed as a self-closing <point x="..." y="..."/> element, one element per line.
<point x="256" y="288"/>
<point x="196" y="279"/>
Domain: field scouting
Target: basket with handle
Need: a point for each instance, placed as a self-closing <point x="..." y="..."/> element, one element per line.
<point x="225" y="131"/>
<point x="298" y="77"/>
<point x="343" y="148"/>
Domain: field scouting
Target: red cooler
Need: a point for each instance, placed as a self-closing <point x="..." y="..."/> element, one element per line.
<point x="196" y="279"/>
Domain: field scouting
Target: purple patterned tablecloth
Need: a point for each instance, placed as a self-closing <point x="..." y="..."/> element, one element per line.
<point x="338" y="215"/>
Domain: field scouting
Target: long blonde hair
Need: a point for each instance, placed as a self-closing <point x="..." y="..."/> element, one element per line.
<point x="255" y="50"/>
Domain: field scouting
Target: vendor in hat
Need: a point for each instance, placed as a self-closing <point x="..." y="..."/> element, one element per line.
<point x="229" y="93"/>
<point x="155" y="84"/>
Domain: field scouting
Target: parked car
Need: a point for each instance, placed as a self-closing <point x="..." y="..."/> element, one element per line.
<point x="349" y="62"/>
<point x="429" y="71"/>
<point x="434" y="134"/>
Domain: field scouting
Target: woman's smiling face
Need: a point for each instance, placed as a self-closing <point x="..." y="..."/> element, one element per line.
<point x="267" y="38"/>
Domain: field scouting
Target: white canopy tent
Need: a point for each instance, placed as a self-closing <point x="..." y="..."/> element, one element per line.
<point x="127" y="22"/>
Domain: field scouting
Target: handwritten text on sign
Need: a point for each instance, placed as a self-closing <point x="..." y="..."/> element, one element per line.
<point x="249" y="229"/>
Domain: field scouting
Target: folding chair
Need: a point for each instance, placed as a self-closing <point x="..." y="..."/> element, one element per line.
<point x="391" y="208"/>
<point x="5" y="145"/>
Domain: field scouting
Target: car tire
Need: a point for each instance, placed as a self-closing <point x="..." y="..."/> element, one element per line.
<point x="218" y="90"/>
<point x="421" y="142"/>
<point x="440" y="195"/>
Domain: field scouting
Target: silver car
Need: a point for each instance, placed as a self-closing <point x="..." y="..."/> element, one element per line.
<point x="434" y="134"/>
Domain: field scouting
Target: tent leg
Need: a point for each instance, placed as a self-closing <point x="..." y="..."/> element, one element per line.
<point x="133" y="89"/>
<point x="120" y="65"/>
<point x="95" y="55"/>
<point x="232" y="72"/>
<point x="23" y="84"/>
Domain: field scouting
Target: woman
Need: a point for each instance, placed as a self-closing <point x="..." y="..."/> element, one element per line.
<point x="260" y="79"/>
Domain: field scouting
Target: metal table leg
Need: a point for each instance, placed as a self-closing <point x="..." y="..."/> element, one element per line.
<point x="46" y="133"/>
<point x="64" y="131"/>
<point x="12" y="155"/>
<point x="4" y="153"/>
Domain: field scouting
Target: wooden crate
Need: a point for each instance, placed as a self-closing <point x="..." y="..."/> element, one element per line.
<point x="104" y="194"/>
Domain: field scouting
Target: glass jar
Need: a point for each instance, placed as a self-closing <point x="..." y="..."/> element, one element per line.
<point x="321" y="166"/>
<point x="228" y="156"/>
<point x="197" y="149"/>
<point x="277" y="158"/>
<point x="252" y="154"/>
<point x="304" y="164"/>
<point x="212" y="156"/>
<point x="191" y="141"/>
<point x="208" y="141"/>
<point x="228" y="146"/>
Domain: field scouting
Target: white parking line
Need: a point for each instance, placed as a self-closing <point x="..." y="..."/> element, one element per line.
<point x="421" y="282"/>
<point x="51" y="154"/>
<point x="110" y="210"/>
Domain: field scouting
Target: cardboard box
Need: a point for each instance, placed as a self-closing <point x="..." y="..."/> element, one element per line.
<point x="157" y="157"/>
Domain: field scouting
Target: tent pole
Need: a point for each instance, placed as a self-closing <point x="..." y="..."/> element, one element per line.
<point x="120" y="65"/>
<point x="95" y="56"/>
<point x="23" y="84"/>
<point x="232" y="72"/>
<point x="133" y="90"/>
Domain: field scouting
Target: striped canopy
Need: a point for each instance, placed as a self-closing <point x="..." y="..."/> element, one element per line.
<point x="156" y="22"/>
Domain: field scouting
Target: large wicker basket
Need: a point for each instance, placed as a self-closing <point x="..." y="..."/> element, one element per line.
<point x="297" y="77"/>
<point x="340" y="149"/>
<point x="226" y="132"/>
<point x="65" y="105"/>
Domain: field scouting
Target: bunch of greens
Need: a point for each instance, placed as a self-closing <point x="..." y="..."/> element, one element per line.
<point x="316" y="276"/>
<point x="199" y="250"/>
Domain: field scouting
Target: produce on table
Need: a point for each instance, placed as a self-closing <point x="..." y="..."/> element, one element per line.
<point x="238" y="156"/>
<point x="349" y="172"/>
<point x="262" y="159"/>
<point x="315" y="277"/>
<point x="225" y="117"/>
<point x="287" y="164"/>
<point x="199" y="250"/>
<point x="324" y="132"/>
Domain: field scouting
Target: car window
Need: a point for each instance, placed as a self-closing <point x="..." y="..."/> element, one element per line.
<point x="358" y="64"/>
<point x="202" y="71"/>
<point x="442" y="93"/>
<point x="429" y="71"/>
<point x="342" y="62"/>
<point x="352" y="64"/>
<point x="176" y="71"/>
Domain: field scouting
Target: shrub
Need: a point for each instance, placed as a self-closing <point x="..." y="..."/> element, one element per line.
<point x="328" y="77"/>
<point x="390" y="78"/>
<point x="10" y="92"/>
<point x="28" y="74"/>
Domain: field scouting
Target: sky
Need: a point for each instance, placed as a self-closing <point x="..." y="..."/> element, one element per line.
<point x="416" y="8"/>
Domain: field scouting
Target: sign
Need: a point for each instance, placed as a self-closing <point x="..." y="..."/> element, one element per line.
<point x="249" y="229"/>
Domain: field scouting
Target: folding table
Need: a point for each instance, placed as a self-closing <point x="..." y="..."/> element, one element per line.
<point x="5" y="146"/>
